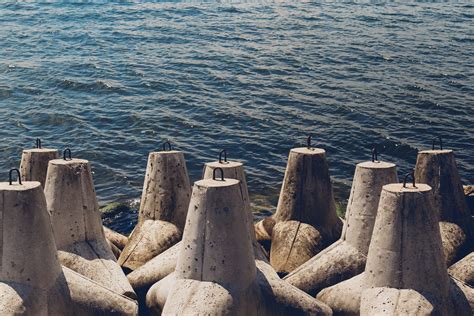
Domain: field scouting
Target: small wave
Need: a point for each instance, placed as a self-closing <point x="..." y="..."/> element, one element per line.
<point x="5" y="92"/>
<point x="96" y="86"/>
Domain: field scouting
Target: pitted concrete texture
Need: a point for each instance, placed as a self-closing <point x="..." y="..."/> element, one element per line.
<point x="459" y="289"/>
<point x="463" y="270"/>
<point x="114" y="249"/>
<point x="336" y="263"/>
<point x="32" y="281"/>
<point x="203" y="256"/>
<point x="306" y="196"/>
<point x="149" y="239"/>
<point x="438" y="169"/>
<point x="166" y="190"/>
<point x="34" y="164"/>
<point x="77" y="225"/>
<point x="293" y="242"/>
<point x="346" y="258"/>
<point x="213" y="278"/>
<point x="23" y="219"/>
<point x="165" y="263"/>
<point x="115" y="238"/>
<point x="163" y="208"/>
<point x="454" y="241"/>
<point x="156" y="269"/>
<point x="405" y="253"/>
<point x="264" y="229"/>
<point x="369" y="178"/>
<point x="232" y="170"/>
<point x="388" y="301"/>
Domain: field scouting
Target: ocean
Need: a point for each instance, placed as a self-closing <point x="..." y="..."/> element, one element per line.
<point x="114" y="81"/>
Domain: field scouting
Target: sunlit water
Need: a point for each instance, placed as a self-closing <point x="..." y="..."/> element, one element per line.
<point x="114" y="81"/>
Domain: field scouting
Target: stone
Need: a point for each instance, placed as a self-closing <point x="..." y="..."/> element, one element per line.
<point x="163" y="209"/>
<point x="34" y="164"/>
<point x="32" y="281"/>
<point x="346" y="258"/>
<point x="213" y="278"/>
<point x="405" y="253"/>
<point x="77" y="225"/>
<point x="307" y="197"/>
<point x="438" y="169"/>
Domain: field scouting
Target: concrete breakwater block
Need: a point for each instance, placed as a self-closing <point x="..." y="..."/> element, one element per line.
<point x="115" y="240"/>
<point x="463" y="270"/>
<point x="213" y="278"/>
<point x="34" y="167"/>
<point x="163" y="209"/>
<point x="235" y="170"/>
<point x="438" y="169"/>
<point x="34" y="163"/>
<point x="77" y="225"/>
<point x="164" y="264"/>
<point x="405" y="260"/>
<point x="346" y="258"/>
<point x="32" y="281"/>
<point x="306" y="197"/>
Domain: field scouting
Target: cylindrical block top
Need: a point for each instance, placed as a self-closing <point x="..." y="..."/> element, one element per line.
<point x="376" y="165"/>
<point x="40" y="150"/>
<point x="399" y="188"/>
<point x="166" y="152"/>
<point x="436" y="152"/>
<point x="68" y="162"/>
<point x="210" y="183"/>
<point x="224" y="165"/>
<point x="24" y="186"/>
<point x="308" y="151"/>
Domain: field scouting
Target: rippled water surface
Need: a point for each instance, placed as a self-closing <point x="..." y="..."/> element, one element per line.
<point x="114" y="81"/>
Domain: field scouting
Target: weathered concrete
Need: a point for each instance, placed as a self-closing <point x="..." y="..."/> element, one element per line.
<point x="389" y="301"/>
<point x="32" y="281"/>
<point x="162" y="265"/>
<point x="454" y="241"/>
<point x="148" y="239"/>
<point x="405" y="253"/>
<point x="115" y="238"/>
<point x="461" y="289"/>
<point x="77" y="225"/>
<point x="212" y="278"/>
<point x="114" y="249"/>
<point x="306" y="196"/>
<point x="235" y="170"/>
<point x="438" y="169"/>
<point x="463" y="270"/>
<point x="163" y="209"/>
<point x="293" y="242"/>
<point x="469" y="193"/>
<point x="34" y="164"/>
<point x="346" y="258"/>
<point x="156" y="269"/>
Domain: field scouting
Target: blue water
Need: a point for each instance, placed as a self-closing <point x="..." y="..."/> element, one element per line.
<point x="114" y="81"/>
